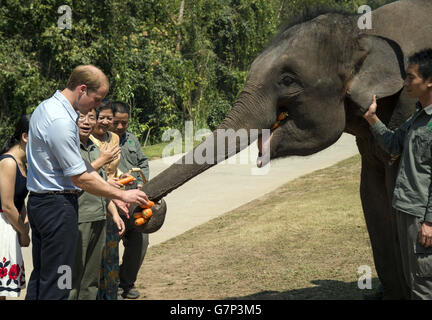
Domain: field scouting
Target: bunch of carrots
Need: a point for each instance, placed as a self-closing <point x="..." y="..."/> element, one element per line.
<point x="142" y="216"/>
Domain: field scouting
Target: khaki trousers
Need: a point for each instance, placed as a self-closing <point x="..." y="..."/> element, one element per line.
<point x="86" y="271"/>
<point x="416" y="260"/>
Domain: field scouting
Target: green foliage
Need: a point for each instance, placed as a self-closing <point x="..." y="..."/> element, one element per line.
<point x="134" y="43"/>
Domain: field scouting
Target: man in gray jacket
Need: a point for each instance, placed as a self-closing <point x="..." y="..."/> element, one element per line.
<point x="134" y="241"/>
<point x="412" y="198"/>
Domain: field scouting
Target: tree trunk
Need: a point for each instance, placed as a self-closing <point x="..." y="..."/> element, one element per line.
<point x="280" y="9"/>
<point x="180" y="21"/>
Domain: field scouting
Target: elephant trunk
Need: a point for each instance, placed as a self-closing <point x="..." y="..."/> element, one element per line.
<point x="233" y="135"/>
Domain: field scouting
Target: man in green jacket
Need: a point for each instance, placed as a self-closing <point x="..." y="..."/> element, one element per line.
<point x="412" y="196"/>
<point x="135" y="242"/>
<point x="92" y="212"/>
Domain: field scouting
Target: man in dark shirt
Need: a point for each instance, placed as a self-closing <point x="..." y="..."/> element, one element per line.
<point x="412" y="198"/>
<point x="135" y="242"/>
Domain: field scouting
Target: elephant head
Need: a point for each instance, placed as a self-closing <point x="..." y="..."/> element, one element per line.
<point x="309" y="73"/>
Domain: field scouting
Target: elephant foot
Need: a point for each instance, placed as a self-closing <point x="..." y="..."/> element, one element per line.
<point x="155" y="222"/>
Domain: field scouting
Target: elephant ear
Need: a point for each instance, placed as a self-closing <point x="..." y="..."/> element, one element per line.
<point x="379" y="70"/>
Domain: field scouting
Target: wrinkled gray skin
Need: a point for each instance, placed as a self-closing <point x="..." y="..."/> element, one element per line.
<point x="323" y="73"/>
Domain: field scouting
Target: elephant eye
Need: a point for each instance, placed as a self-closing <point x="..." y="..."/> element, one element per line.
<point x="287" y="80"/>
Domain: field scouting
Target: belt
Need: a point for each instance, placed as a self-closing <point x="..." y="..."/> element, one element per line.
<point x="75" y="192"/>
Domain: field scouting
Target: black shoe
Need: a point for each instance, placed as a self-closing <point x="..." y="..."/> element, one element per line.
<point x="131" y="293"/>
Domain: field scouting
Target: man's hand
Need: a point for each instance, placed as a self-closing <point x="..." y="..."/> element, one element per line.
<point x="114" y="183"/>
<point x="135" y="196"/>
<point x="425" y="234"/>
<point x="119" y="223"/>
<point x="122" y="206"/>
<point x="370" y="115"/>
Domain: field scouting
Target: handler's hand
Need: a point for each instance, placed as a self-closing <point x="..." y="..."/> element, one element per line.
<point x="370" y="115"/>
<point x="135" y="196"/>
<point x="425" y="234"/>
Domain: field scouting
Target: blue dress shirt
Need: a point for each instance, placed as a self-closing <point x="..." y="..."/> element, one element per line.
<point x="53" y="148"/>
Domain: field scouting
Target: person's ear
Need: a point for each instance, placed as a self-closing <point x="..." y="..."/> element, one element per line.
<point x="429" y="82"/>
<point x="82" y="89"/>
<point x="24" y="137"/>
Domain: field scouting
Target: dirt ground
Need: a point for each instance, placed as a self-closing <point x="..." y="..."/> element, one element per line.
<point x="307" y="240"/>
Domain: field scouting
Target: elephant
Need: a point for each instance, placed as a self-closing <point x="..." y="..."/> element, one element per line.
<point x="321" y="73"/>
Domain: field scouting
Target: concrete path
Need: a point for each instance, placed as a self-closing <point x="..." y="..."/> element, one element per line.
<point x="227" y="186"/>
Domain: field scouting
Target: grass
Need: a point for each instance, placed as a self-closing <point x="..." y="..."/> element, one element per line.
<point x="155" y="151"/>
<point x="305" y="240"/>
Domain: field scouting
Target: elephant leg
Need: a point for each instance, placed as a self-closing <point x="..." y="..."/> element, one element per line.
<point x="381" y="227"/>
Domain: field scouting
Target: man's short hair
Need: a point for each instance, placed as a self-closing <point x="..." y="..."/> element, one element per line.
<point x="423" y="59"/>
<point x="120" y="107"/>
<point x="89" y="75"/>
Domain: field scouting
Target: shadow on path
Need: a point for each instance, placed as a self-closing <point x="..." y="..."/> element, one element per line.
<point x="323" y="290"/>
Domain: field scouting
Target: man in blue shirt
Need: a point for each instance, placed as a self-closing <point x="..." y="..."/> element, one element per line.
<point x="56" y="174"/>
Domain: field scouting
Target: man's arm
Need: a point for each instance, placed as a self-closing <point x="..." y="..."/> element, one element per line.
<point x="93" y="183"/>
<point x="390" y="141"/>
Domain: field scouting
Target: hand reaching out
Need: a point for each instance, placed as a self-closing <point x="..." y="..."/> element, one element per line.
<point x="370" y="114"/>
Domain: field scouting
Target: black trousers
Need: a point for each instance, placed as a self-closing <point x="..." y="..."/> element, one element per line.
<point x="54" y="223"/>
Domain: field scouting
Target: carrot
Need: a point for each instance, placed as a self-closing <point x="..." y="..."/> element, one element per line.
<point x="149" y="205"/>
<point x="282" y="116"/>
<point x="147" y="213"/>
<point x="126" y="180"/>
<point x="138" y="215"/>
<point x="140" y="221"/>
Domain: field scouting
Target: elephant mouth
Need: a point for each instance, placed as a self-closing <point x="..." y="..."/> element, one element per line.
<point x="264" y="143"/>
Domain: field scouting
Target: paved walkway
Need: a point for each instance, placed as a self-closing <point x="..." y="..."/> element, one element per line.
<point x="227" y="186"/>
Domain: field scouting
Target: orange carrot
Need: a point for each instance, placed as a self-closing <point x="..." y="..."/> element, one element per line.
<point x="147" y="213"/>
<point x="282" y="117"/>
<point x="149" y="205"/>
<point x="138" y="215"/>
<point x="140" y="221"/>
<point x="126" y="180"/>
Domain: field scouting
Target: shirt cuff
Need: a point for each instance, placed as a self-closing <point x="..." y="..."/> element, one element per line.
<point x="428" y="216"/>
<point x="378" y="128"/>
<point x="75" y="170"/>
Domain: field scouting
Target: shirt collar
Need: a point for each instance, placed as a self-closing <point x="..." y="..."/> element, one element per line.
<point x="124" y="137"/>
<point x="428" y="109"/>
<point x="90" y="145"/>
<point x="67" y="105"/>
